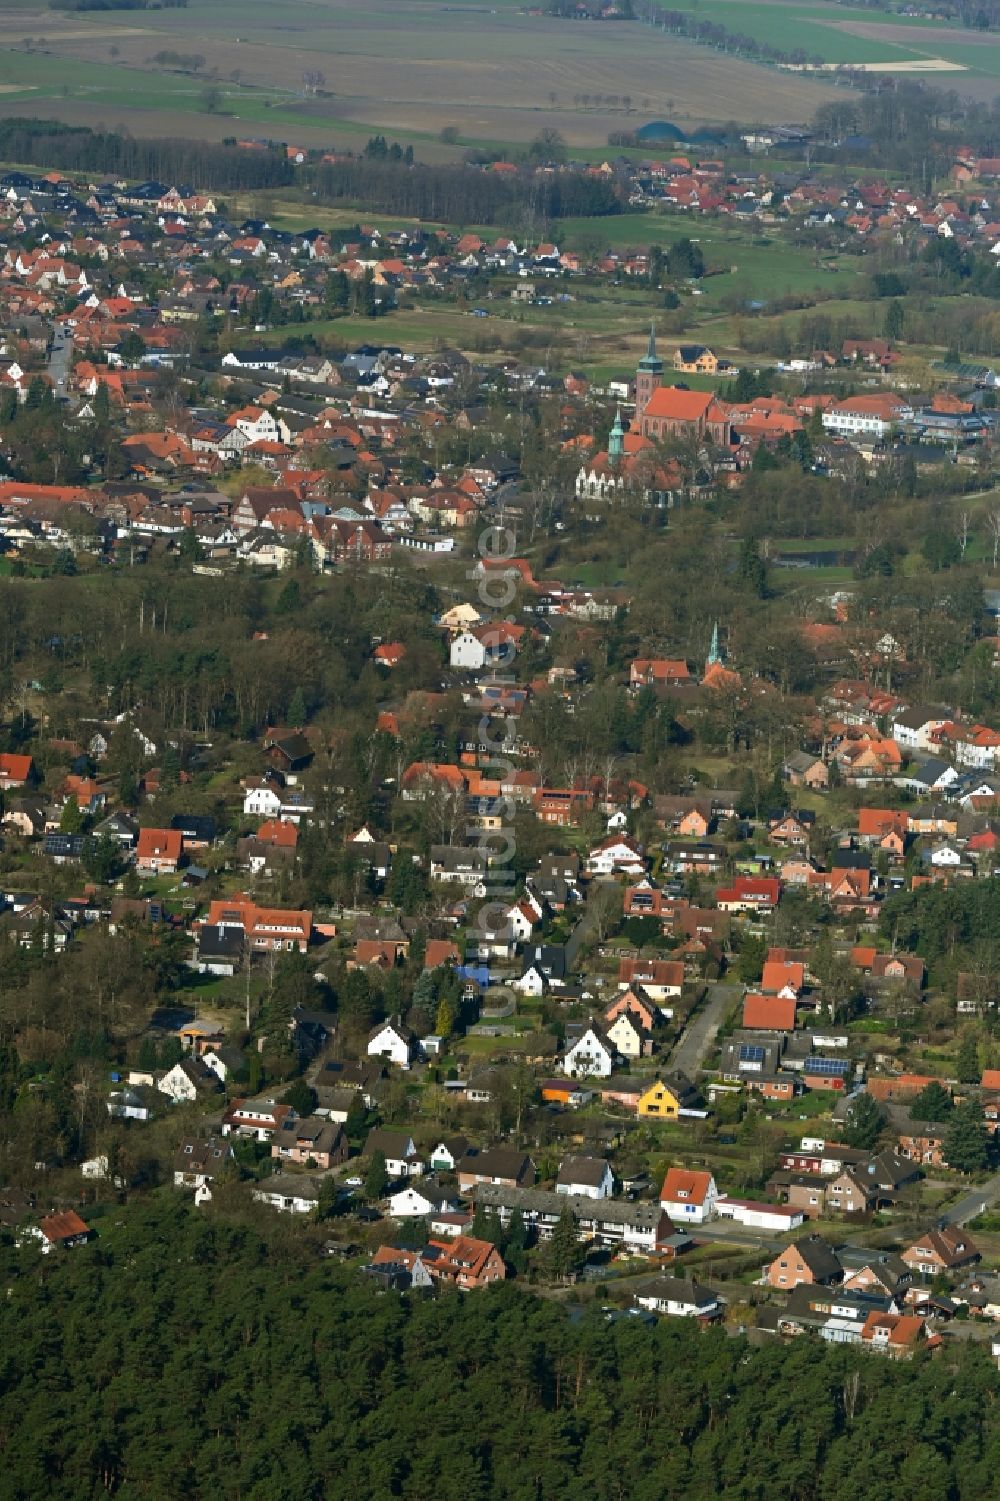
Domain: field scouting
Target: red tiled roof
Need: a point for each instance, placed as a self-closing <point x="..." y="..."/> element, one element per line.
<point x="685" y="1184"/>
<point x="768" y="1013"/>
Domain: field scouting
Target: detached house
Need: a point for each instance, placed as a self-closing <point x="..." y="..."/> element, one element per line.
<point x="465" y="1262"/>
<point x="260" y="1118"/>
<point x="894" y="1334"/>
<point x="393" y="1042"/>
<point x="591" y="1055"/>
<point x="399" y="1151"/>
<point x="502" y="1166"/>
<point x="688" y="1197"/>
<point x="589" y="1177"/>
<point x="616" y="856"/>
<point x="313" y="1142"/>
<point x="189" y="1080"/>
<point x="158" y="851"/>
<point x="808" y="1261"/>
<point x="15" y="771"/>
<point x="666" y="1099"/>
<point x="62" y="1231"/>
<point x="942" y="1250"/>
<point x="197" y="1162"/>
<point x="630" y="1036"/>
<point x="679" y="1297"/>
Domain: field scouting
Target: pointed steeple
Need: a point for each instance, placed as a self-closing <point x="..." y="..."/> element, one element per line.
<point x="714" y="655"/>
<point x="651" y="360"/>
<point x="616" y="442"/>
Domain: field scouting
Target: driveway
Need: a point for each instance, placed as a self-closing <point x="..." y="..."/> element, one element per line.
<point x="699" y="1035"/>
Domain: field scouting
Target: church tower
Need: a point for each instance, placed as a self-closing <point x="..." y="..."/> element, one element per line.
<point x="714" y="654"/>
<point x="616" y="441"/>
<point x="648" y="376"/>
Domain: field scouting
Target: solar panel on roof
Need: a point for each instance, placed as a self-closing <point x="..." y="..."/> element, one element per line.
<point x="751" y="1052"/>
<point x="826" y="1066"/>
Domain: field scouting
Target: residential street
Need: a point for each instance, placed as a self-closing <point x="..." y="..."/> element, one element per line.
<point x="60" y="359"/>
<point x="696" y="1040"/>
<point x="973" y="1202"/>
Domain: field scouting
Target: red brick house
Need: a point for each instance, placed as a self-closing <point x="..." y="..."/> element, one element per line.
<point x="943" y="1250"/>
<point x="655" y="671"/>
<point x="808" y="1262"/>
<point x="465" y="1262"/>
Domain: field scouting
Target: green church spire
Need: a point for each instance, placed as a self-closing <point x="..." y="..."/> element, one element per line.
<point x="651" y="360"/>
<point x="616" y="442"/>
<point x="714" y="655"/>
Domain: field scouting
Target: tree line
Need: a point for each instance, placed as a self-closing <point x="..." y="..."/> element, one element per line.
<point x="186" y="1354"/>
<point x="460" y="194"/>
<point x="172" y="160"/>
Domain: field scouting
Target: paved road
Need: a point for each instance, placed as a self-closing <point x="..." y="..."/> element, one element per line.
<point x="973" y="1203"/>
<point x="696" y="1040"/>
<point x="60" y="358"/>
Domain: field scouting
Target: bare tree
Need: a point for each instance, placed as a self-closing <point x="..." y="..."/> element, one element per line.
<point x="993" y="522"/>
<point x="962" y="530"/>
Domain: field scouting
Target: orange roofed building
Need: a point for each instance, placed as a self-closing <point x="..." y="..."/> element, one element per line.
<point x="278" y="831"/>
<point x="267" y="928"/>
<point x="768" y="1013"/>
<point x="158" y="851"/>
<point x="688" y="1196"/>
<point x="466" y="1262"/>
<point x="15" y="771"/>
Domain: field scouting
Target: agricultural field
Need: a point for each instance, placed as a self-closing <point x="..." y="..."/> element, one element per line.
<point x="326" y="71"/>
<point x="950" y="55"/>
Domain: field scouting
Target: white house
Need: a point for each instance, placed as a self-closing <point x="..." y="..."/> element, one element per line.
<point x="392" y="1042"/>
<point x="257" y="1118"/>
<point x="688" y="1196"/>
<point x="129" y="1105"/>
<point x="589" y="1177"/>
<point x="979" y="749"/>
<point x="261" y="425"/>
<point x="866" y="416"/>
<point x="591" y="1055"/>
<point x="448" y="1153"/>
<point x="223" y="1063"/>
<point x="912" y="728"/>
<point x="398" y="1150"/>
<point x="946" y="856"/>
<point x="521" y="920"/>
<point x="616" y="856"/>
<point x="186" y="1080"/>
<point x="679" y="1296"/>
<point x="532" y="982"/>
<point x="418" y="1203"/>
<point x="468" y="653"/>
<point x="291" y="1195"/>
<point x="262" y="802"/>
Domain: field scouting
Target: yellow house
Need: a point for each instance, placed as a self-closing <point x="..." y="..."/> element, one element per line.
<point x="659" y="1103"/>
<point x="695" y="359"/>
